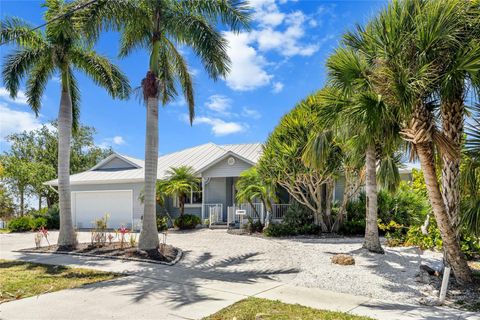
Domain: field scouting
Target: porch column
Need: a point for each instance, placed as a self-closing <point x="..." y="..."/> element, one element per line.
<point x="203" y="200"/>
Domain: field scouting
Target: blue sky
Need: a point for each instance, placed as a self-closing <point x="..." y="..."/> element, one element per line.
<point x="279" y="62"/>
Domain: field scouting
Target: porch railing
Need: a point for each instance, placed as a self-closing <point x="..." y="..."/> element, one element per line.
<point x="278" y="211"/>
<point x="214" y="212"/>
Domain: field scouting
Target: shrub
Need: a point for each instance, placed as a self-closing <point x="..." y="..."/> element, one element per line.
<point x="20" y="224"/>
<point x="285" y="230"/>
<point x="253" y="226"/>
<point x="162" y="223"/>
<point x="354" y="227"/>
<point x="187" y="221"/>
<point x="298" y="216"/>
<point x="37" y="223"/>
<point x="52" y="216"/>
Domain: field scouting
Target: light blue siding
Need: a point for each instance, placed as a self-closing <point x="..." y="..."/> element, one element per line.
<point x="223" y="169"/>
<point x="115" y="163"/>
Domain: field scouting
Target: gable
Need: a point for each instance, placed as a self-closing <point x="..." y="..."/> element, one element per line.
<point x="115" y="163"/>
<point x="225" y="167"/>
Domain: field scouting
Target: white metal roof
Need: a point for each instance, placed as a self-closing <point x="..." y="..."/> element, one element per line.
<point x="199" y="158"/>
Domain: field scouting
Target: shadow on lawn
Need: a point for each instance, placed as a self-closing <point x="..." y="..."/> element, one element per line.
<point x="181" y="286"/>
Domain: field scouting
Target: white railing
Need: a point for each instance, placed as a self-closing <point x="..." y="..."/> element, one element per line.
<point x="214" y="212"/>
<point x="278" y="211"/>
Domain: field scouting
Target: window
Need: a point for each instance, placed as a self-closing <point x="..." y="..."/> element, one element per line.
<point x="195" y="197"/>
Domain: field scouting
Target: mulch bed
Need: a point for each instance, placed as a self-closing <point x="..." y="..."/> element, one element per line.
<point x="165" y="254"/>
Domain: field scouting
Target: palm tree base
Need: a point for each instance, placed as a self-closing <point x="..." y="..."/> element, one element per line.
<point x="374" y="248"/>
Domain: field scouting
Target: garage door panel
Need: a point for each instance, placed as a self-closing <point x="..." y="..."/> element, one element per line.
<point x="90" y="206"/>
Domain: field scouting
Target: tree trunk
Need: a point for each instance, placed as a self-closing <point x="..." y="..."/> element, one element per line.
<point x="372" y="241"/>
<point x="451" y="246"/>
<point x="22" y="202"/>
<point x="452" y="123"/>
<point x="182" y="204"/>
<point x="66" y="236"/>
<point x="329" y="185"/>
<point x="148" y="239"/>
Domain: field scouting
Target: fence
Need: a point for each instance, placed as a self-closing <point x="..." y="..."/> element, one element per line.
<point x="214" y="212"/>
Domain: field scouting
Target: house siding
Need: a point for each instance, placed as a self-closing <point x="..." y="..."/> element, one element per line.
<point x="339" y="189"/>
<point x="135" y="187"/>
<point x="223" y="169"/>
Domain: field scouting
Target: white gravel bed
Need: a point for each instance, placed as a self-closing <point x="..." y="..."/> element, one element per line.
<point x="306" y="262"/>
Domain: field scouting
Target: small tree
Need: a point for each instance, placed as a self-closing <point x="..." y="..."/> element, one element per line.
<point x="180" y="181"/>
<point x="251" y="186"/>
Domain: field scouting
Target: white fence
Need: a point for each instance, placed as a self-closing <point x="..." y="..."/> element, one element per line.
<point x="255" y="211"/>
<point x="278" y="211"/>
<point x="214" y="212"/>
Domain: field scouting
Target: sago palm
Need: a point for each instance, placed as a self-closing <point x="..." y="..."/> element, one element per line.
<point x="59" y="49"/>
<point x="160" y="27"/>
<point x="180" y="182"/>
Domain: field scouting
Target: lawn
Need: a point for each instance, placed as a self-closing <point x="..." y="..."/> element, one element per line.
<point x="20" y="279"/>
<point x="263" y="309"/>
<point x="4" y="231"/>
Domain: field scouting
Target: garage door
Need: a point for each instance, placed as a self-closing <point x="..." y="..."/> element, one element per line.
<point x="90" y="206"/>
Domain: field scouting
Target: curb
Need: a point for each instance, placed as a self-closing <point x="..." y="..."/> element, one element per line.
<point x="177" y="258"/>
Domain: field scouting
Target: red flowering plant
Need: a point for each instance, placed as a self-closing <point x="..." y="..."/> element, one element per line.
<point x="123" y="231"/>
<point x="44" y="232"/>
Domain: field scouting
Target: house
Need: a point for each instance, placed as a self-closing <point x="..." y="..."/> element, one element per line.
<point x="114" y="185"/>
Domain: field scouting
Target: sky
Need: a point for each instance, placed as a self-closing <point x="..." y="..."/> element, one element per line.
<point x="280" y="61"/>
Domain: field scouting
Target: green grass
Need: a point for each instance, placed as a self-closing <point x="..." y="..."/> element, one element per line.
<point x="263" y="309"/>
<point x="20" y="279"/>
<point x="4" y="231"/>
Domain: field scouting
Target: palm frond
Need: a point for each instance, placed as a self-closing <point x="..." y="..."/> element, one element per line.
<point x="37" y="80"/>
<point x="17" y="31"/>
<point x="102" y="72"/>
<point x="75" y="96"/>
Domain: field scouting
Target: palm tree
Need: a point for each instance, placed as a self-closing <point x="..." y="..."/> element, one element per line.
<point x="251" y="186"/>
<point x="161" y="27"/>
<point x="410" y="38"/>
<point x="59" y="49"/>
<point x="180" y="182"/>
<point x="364" y="117"/>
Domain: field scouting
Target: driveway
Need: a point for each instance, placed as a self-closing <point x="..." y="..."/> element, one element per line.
<point x="219" y="269"/>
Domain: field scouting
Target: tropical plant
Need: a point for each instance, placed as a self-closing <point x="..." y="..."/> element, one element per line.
<point x="411" y="41"/>
<point x="180" y="182"/>
<point x="187" y="221"/>
<point x="59" y="49"/>
<point x="281" y="162"/>
<point x="160" y="27"/>
<point x="250" y="187"/>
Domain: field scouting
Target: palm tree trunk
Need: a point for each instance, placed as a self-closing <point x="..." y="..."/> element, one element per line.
<point x="452" y="122"/>
<point x="372" y="241"/>
<point x="148" y="238"/>
<point x="451" y="246"/>
<point x="66" y="236"/>
<point x="39" y="202"/>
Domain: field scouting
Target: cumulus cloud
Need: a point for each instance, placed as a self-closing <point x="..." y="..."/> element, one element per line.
<point x="247" y="70"/>
<point x="277" y="87"/>
<point x="220" y="127"/>
<point x="20" y="99"/>
<point x="15" y="121"/>
<point x="219" y="103"/>
<point x="283" y="33"/>
<point x="115" y="141"/>
<point x="251" y="113"/>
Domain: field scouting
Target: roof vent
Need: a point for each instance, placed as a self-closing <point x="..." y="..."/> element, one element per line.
<point x="231" y="161"/>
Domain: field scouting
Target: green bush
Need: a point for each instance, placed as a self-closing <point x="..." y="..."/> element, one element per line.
<point x="298" y="216"/>
<point x="285" y="230"/>
<point x="187" y="221"/>
<point x="52" y="216"/>
<point x="353" y="227"/>
<point x="37" y="223"/>
<point x="20" y="224"/>
<point x="162" y="223"/>
<point x="253" y="226"/>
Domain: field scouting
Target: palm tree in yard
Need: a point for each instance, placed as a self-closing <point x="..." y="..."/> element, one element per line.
<point x="251" y="187"/>
<point x="39" y="56"/>
<point x="180" y="182"/>
<point x="160" y="27"/>
<point x="363" y="116"/>
<point x="413" y="41"/>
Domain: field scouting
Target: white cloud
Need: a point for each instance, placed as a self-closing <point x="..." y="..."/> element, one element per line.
<point x="251" y="113"/>
<point x="219" y="126"/>
<point x="20" y="99"/>
<point x="118" y="140"/>
<point x="219" y="103"/>
<point x="115" y="140"/>
<point x="14" y="121"/>
<point x="277" y="87"/>
<point x="247" y="70"/>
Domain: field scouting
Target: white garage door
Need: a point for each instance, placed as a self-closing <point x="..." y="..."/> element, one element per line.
<point x="89" y="206"/>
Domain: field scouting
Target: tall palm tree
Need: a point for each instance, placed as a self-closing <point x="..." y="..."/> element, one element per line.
<point x="160" y="27"/>
<point x="364" y="116"/>
<point x="180" y="182"/>
<point x="58" y="49"/>
<point x="409" y="38"/>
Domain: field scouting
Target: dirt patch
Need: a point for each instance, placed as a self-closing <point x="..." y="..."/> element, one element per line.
<point x="165" y="253"/>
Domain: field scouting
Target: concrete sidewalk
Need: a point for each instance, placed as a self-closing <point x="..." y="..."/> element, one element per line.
<point x="151" y="291"/>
